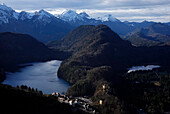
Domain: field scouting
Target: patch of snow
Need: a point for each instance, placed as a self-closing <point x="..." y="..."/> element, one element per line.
<point x="3" y="12"/>
<point x="108" y="17"/>
<point x="6" y="13"/>
<point x="141" y="68"/>
<point x="70" y="15"/>
<point x="43" y="14"/>
<point x="4" y="19"/>
<point x="4" y="7"/>
<point x="57" y="15"/>
<point x="83" y="15"/>
<point x="25" y="15"/>
<point x="132" y="25"/>
<point x="16" y="15"/>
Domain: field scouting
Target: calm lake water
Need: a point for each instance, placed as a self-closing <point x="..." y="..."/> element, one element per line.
<point x="138" y="68"/>
<point x="42" y="75"/>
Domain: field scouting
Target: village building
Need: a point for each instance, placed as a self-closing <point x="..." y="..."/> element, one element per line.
<point x="100" y="102"/>
<point x="61" y="99"/>
<point x="157" y="83"/>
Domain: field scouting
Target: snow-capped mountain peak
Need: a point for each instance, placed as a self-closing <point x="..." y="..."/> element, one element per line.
<point x="43" y="16"/>
<point x="84" y="15"/>
<point x="42" y="13"/>
<point x="7" y="13"/>
<point x="25" y="15"/>
<point x="69" y="15"/>
<point x="5" y="8"/>
<point x="108" y="17"/>
<point x="111" y="18"/>
<point x="69" y="12"/>
<point x="15" y="15"/>
<point x="73" y="16"/>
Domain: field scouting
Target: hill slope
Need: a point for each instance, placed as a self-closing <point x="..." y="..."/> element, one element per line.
<point x="20" y="101"/>
<point x="96" y="48"/>
<point x="93" y="47"/>
<point x="100" y="57"/>
<point x="97" y="53"/>
<point x="154" y="35"/>
<point x="99" y="48"/>
<point x="17" y="48"/>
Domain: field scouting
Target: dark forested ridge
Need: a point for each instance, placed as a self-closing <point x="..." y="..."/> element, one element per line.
<point x="99" y="46"/>
<point x="156" y="34"/>
<point x="100" y="56"/>
<point x="147" y="90"/>
<point x="96" y="62"/>
<point x="24" y="101"/>
<point x="96" y="46"/>
<point x="2" y="75"/>
<point x="96" y="51"/>
<point x="54" y="30"/>
<point x="18" y="48"/>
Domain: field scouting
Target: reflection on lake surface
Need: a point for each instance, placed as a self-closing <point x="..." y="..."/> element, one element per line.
<point x="138" y="68"/>
<point x="42" y="75"/>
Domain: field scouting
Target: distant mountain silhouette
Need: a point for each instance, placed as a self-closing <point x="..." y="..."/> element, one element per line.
<point x="155" y="35"/>
<point x="93" y="40"/>
<point x="94" y="49"/>
<point x="46" y="27"/>
<point x="99" y="48"/>
<point x="21" y="48"/>
<point x="41" y="25"/>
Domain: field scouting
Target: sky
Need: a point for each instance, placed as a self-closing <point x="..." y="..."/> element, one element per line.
<point x="125" y="10"/>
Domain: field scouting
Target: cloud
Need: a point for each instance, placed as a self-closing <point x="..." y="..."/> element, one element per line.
<point x="38" y="4"/>
<point x="158" y="14"/>
<point x="122" y="9"/>
<point x="83" y="4"/>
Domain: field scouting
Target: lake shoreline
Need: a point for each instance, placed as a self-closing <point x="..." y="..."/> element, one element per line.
<point x="38" y="73"/>
<point x="142" y="68"/>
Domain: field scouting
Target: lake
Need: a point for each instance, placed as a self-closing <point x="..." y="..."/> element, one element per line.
<point x="41" y="75"/>
<point x="141" y="68"/>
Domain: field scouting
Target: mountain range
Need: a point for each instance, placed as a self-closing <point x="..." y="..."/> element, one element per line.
<point x="96" y="50"/>
<point x="99" y="48"/>
<point x="96" y="46"/>
<point x="100" y="56"/>
<point x="122" y="28"/>
<point x="46" y="27"/>
<point x="153" y="35"/>
<point x="41" y="25"/>
<point x="95" y="61"/>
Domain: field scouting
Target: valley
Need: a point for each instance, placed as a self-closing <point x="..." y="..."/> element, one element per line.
<point x="41" y="75"/>
<point x="73" y="63"/>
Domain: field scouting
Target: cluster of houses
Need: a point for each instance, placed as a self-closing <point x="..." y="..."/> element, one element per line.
<point x="77" y="102"/>
<point x="80" y="102"/>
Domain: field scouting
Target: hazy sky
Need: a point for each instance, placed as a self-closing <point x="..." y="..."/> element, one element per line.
<point x="130" y="10"/>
